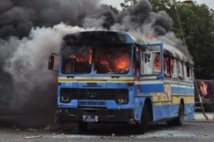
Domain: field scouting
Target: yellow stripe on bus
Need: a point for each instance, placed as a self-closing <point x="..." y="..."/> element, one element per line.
<point x="99" y="81"/>
<point x="176" y="100"/>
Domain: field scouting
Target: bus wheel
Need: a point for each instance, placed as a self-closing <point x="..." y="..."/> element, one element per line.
<point x="83" y="126"/>
<point x="145" y="118"/>
<point x="178" y="121"/>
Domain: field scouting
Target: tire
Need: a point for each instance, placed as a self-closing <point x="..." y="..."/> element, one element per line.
<point x="178" y="121"/>
<point x="170" y="122"/>
<point x="83" y="127"/>
<point x="145" y="120"/>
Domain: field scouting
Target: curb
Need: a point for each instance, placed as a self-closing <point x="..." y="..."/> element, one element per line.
<point x="200" y="116"/>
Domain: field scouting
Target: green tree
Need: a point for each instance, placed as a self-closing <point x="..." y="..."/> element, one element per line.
<point x="198" y="26"/>
<point x="197" y="22"/>
<point x="114" y="9"/>
<point x="128" y="3"/>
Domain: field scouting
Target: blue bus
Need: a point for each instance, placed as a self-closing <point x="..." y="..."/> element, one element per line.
<point x="114" y="77"/>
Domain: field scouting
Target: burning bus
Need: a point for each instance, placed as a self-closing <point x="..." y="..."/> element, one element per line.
<point x="113" y="77"/>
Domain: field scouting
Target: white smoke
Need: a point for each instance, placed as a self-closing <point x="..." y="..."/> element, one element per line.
<point x="32" y="81"/>
<point x="94" y="22"/>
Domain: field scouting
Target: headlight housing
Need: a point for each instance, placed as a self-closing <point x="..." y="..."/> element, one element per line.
<point x="122" y="99"/>
<point x="64" y="99"/>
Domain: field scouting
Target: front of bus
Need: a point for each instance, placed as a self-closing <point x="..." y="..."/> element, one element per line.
<point x="96" y="78"/>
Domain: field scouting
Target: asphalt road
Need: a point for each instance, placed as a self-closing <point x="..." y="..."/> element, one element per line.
<point x="191" y="131"/>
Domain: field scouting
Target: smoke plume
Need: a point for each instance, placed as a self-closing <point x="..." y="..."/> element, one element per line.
<point x="18" y="17"/>
<point x="30" y="30"/>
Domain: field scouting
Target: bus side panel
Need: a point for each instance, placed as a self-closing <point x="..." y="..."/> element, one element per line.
<point x="185" y="92"/>
<point x="139" y="103"/>
<point x="190" y="102"/>
<point x="160" y="111"/>
<point x="151" y="86"/>
<point x="189" y="111"/>
<point x="169" y="109"/>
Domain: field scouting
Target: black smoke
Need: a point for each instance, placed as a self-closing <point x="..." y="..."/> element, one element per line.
<point x="135" y="17"/>
<point x="18" y="17"/>
<point x="30" y="30"/>
<point x="140" y="15"/>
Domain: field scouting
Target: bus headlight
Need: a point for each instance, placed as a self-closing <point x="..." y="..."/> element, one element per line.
<point x="64" y="99"/>
<point x="122" y="100"/>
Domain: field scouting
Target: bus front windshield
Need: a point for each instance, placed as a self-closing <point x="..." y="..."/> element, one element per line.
<point x="97" y="59"/>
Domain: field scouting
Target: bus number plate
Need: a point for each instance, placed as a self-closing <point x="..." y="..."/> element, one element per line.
<point x="90" y="118"/>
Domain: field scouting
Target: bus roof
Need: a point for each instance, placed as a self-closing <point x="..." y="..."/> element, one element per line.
<point x="110" y="37"/>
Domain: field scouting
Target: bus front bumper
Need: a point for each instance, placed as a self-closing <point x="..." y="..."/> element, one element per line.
<point x="65" y="115"/>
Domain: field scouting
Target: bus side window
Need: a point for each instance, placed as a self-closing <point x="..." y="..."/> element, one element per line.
<point x="134" y="66"/>
<point x="146" y="63"/>
<point x="157" y="63"/>
<point x="191" y="73"/>
<point x="187" y="70"/>
<point x="181" y="70"/>
<point x="175" y="69"/>
<point x="167" y="66"/>
<point x="171" y="65"/>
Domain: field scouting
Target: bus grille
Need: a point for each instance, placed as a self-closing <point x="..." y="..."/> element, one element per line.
<point x="93" y="96"/>
<point x="83" y="103"/>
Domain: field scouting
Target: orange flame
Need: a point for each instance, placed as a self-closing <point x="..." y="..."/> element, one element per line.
<point x="103" y="62"/>
<point x="157" y="63"/>
<point x="121" y="63"/>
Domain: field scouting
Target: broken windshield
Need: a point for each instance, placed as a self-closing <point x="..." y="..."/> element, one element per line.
<point x="112" y="59"/>
<point x="106" y="59"/>
<point x="78" y="61"/>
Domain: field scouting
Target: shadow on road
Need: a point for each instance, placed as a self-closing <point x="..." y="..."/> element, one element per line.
<point x="114" y="129"/>
<point x="46" y="125"/>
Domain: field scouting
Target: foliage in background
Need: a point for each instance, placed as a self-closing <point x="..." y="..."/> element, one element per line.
<point x="197" y="22"/>
<point x="128" y="3"/>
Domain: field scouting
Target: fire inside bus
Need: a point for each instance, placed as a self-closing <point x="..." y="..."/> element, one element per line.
<point x="113" y="77"/>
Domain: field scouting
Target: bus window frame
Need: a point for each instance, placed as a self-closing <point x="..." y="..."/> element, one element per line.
<point x="175" y="68"/>
<point x="181" y="74"/>
<point x="160" y="75"/>
<point x="92" y="72"/>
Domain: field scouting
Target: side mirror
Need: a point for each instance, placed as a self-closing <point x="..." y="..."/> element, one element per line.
<point x="53" y="62"/>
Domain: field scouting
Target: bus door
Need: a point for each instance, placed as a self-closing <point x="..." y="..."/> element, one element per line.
<point x="151" y="68"/>
<point x="151" y="60"/>
<point x="152" y="77"/>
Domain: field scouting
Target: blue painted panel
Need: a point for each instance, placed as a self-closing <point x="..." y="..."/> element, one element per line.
<point x="139" y="102"/>
<point x="164" y="111"/>
<point x="190" y="91"/>
<point x="58" y="94"/>
<point x="69" y="84"/>
<point x="182" y="90"/>
<point x="72" y="104"/>
<point x="170" y="111"/>
<point x="189" y="108"/>
<point x="149" y="88"/>
<point x="111" y="104"/>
